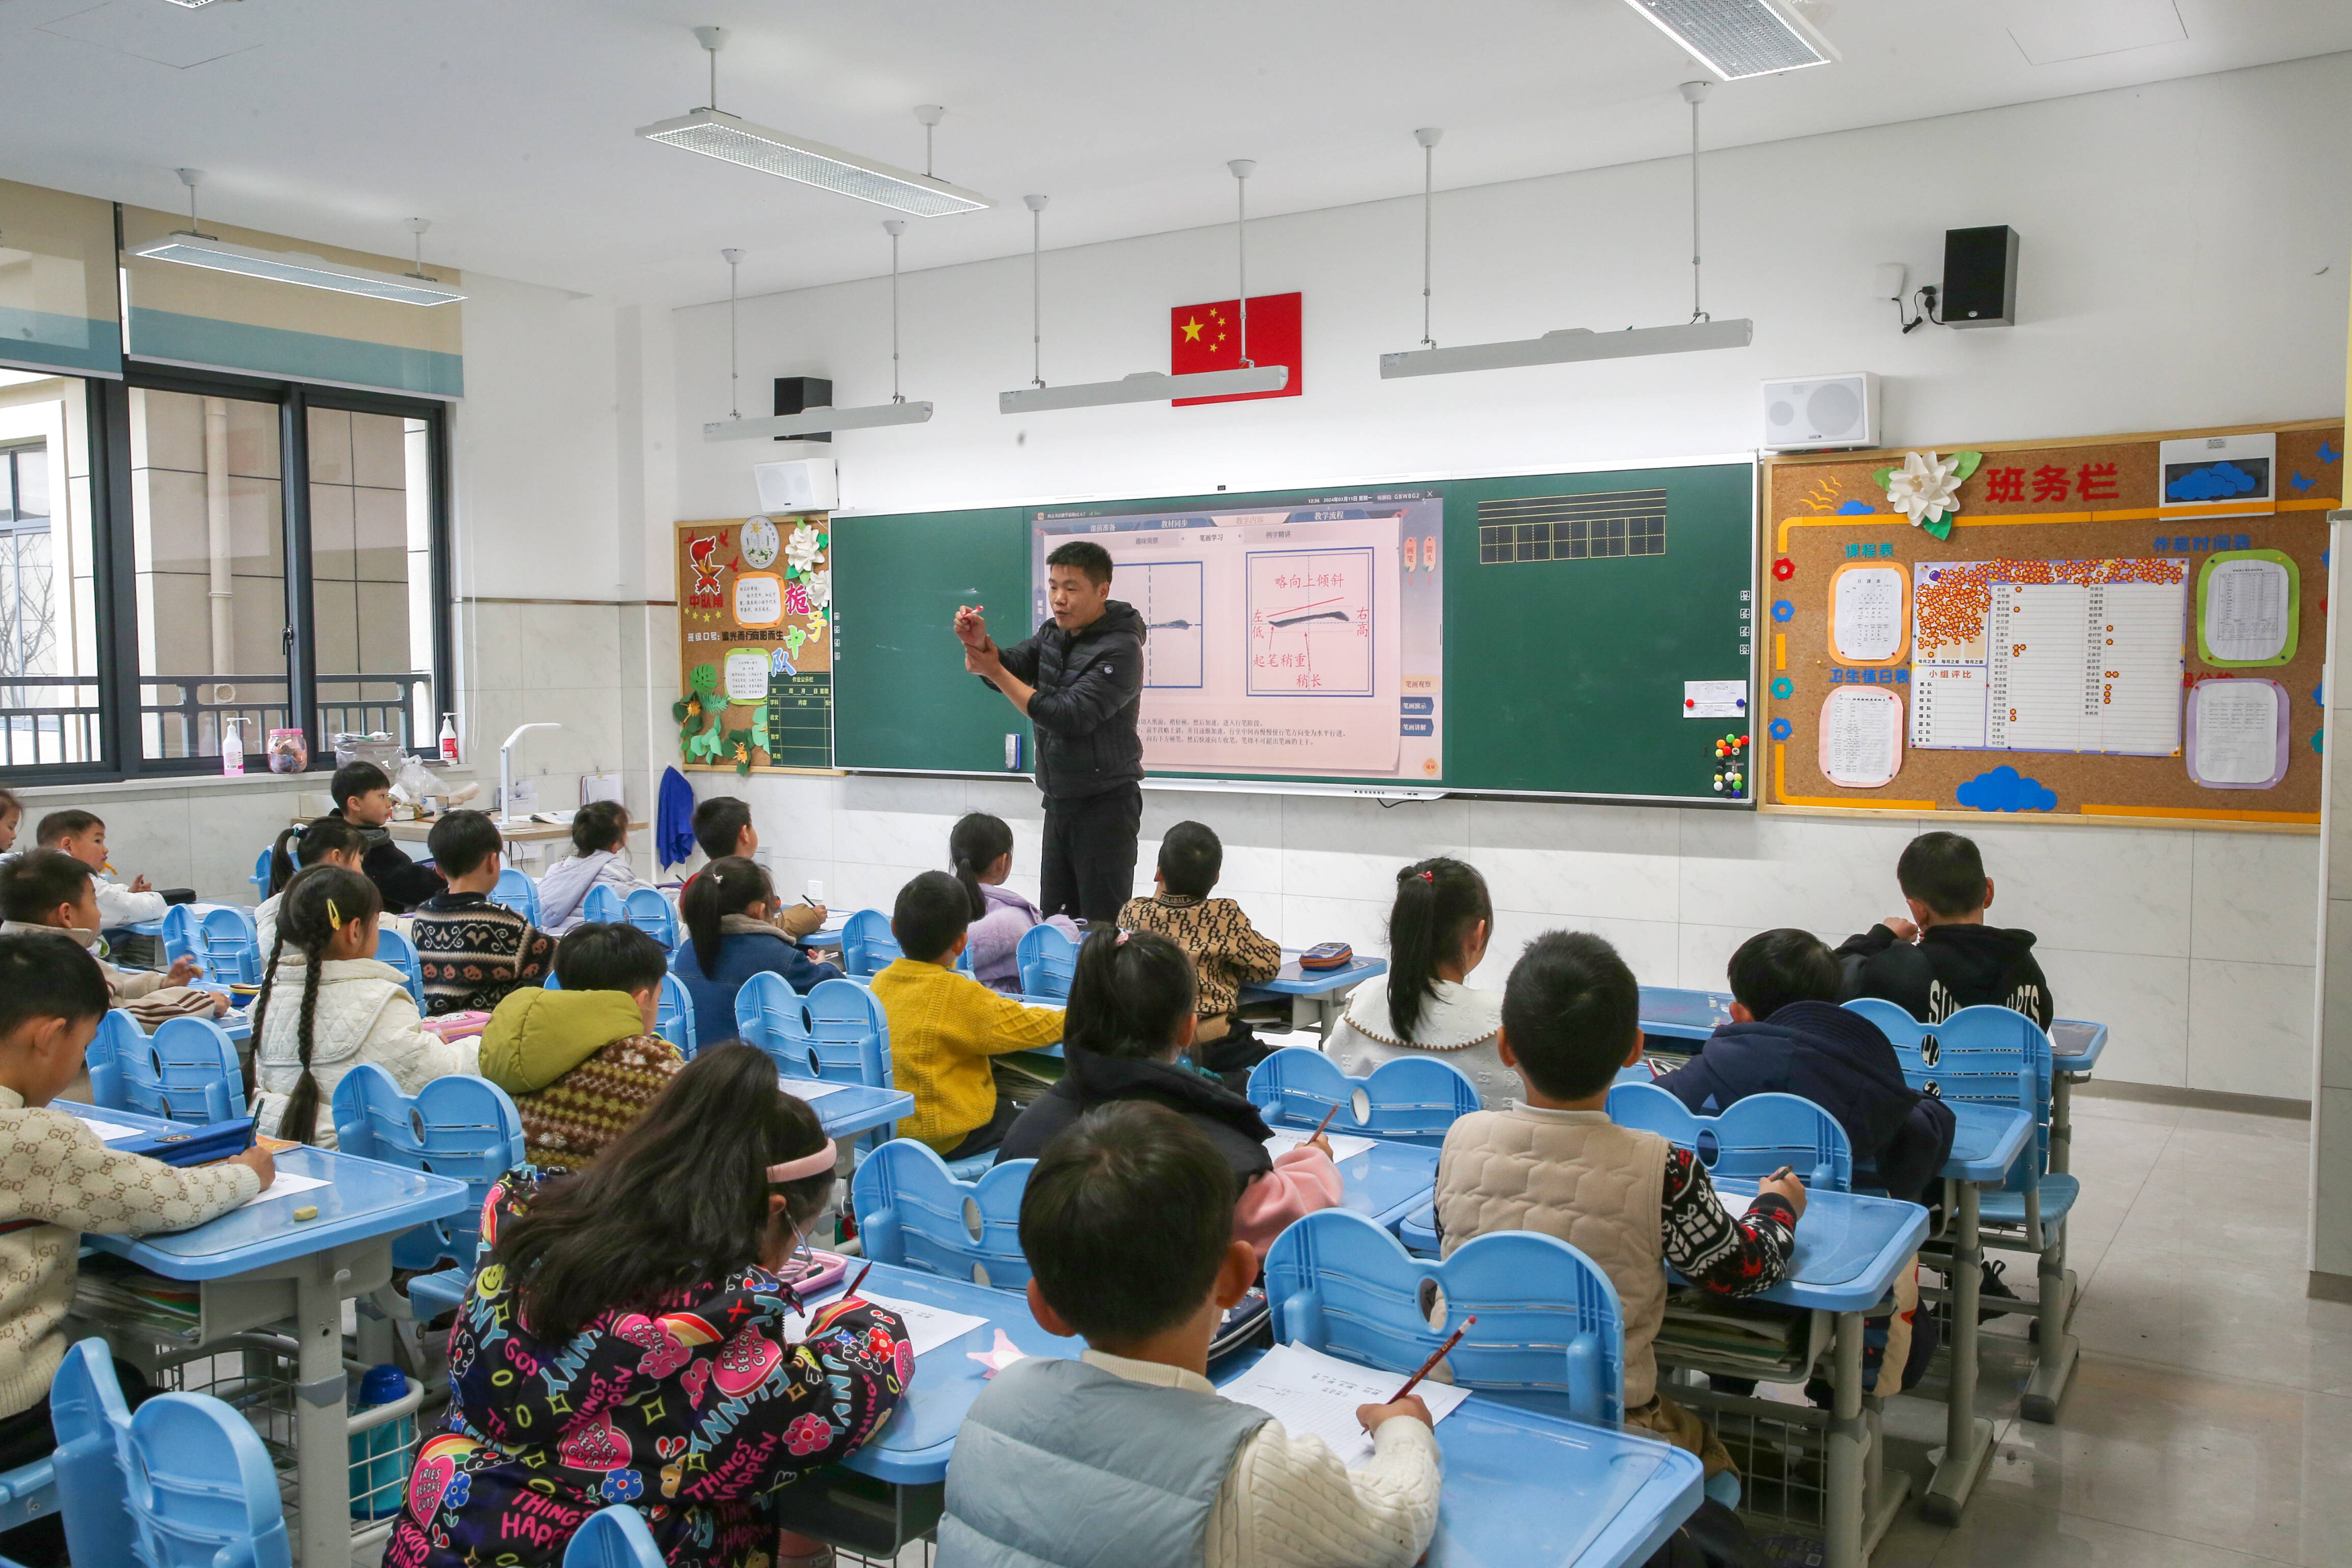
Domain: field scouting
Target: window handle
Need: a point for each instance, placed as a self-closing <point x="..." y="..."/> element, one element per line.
<point x="286" y="640"/>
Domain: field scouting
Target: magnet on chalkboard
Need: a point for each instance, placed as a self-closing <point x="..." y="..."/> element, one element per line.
<point x="1013" y="752"/>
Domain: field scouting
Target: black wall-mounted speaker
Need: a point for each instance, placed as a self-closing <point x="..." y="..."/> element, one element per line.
<point x="798" y="395"/>
<point x="1981" y="277"/>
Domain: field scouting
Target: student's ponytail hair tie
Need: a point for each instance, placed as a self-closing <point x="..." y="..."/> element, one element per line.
<point x="806" y="1165"/>
<point x="1430" y="878"/>
<point x="1120" y="940"/>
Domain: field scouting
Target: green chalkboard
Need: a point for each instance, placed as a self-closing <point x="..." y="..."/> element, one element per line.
<point x="901" y="700"/>
<point x="1576" y="608"/>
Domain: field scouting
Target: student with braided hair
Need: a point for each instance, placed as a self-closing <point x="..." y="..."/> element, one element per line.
<point x="329" y="1003"/>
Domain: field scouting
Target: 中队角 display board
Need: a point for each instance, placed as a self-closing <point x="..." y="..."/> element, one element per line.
<point x="755" y="645"/>
<point x="2120" y="628"/>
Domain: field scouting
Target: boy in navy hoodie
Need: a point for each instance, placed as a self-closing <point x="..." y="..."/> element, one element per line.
<point x="1788" y="1035"/>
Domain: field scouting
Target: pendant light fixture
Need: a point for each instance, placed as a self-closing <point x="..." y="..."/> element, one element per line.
<point x="816" y="421"/>
<point x="733" y="140"/>
<point x="190" y="246"/>
<point x="1735" y="38"/>
<point x="1571" y="344"/>
<point x="1144" y="385"/>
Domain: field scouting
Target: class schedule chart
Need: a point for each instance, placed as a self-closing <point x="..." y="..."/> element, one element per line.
<point x="1300" y="638"/>
<point x="2049" y="656"/>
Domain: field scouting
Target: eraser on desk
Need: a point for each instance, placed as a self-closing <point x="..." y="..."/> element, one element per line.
<point x="308" y="1211"/>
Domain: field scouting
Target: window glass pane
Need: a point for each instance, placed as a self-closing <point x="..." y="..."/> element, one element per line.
<point x="370" y="550"/>
<point x="48" y="635"/>
<point x="210" y="546"/>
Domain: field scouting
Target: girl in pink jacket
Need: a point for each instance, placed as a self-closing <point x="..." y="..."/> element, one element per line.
<point x="1128" y="1035"/>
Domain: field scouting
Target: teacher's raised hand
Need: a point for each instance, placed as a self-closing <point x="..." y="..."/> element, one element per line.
<point x="970" y="629"/>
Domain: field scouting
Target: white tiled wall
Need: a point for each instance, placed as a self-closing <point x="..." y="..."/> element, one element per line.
<point x="2195" y="947"/>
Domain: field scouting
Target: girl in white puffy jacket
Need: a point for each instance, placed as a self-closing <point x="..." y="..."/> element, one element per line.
<point x="327" y="1004"/>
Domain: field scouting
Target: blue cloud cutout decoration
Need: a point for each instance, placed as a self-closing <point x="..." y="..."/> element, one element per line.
<point x="2215" y="481"/>
<point x="2005" y="789"/>
<point x="1781" y="730"/>
<point x="1856" y="508"/>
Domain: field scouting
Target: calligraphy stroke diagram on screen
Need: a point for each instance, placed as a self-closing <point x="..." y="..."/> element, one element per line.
<point x="1169" y="596"/>
<point x="1310" y="620"/>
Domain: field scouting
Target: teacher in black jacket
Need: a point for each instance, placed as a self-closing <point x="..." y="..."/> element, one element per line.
<point x="1080" y="681"/>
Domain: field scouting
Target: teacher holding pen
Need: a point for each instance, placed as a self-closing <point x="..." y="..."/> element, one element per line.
<point x="1080" y="682"/>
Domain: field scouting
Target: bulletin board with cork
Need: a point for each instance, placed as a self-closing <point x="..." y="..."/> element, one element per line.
<point x="755" y="645"/>
<point x="2121" y="629"/>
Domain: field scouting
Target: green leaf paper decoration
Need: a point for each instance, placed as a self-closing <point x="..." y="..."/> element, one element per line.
<point x="1939" y="525"/>
<point x="1967" y="462"/>
<point x="1878" y="476"/>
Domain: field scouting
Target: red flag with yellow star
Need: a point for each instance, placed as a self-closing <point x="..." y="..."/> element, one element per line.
<point x="1209" y="337"/>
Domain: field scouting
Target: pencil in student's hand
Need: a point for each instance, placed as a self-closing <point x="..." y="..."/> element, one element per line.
<point x="1435" y="1357"/>
<point x="859" y="1281"/>
<point x="1322" y="1124"/>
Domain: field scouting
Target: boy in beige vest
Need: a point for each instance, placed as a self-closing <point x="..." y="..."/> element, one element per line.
<point x="1555" y="1164"/>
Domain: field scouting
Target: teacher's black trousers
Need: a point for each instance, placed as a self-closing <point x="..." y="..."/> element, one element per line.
<point x="1088" y="869"/>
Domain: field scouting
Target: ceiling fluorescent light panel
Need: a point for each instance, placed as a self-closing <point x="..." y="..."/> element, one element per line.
<point x="814" y="421"/>
<point x="1145" y="386"/>
<point x="732" y="139"/>
<point x="288" y="266"/>
<point x="1569" y="345"/>
<point x="1737" y="38"/>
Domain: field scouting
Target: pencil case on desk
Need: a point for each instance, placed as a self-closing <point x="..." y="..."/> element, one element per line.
<point x="194" y="1145"/>
<point x="1327" y="955"/>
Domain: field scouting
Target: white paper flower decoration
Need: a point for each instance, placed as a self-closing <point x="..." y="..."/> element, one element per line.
<point x="820" y="587"/>
<point x="1924" y="488"/>
<point x="806" y="544"/>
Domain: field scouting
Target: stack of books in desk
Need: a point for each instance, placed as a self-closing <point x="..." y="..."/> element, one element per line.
<point x="127" y="1296"/>
<point x="1730" y="1334"/>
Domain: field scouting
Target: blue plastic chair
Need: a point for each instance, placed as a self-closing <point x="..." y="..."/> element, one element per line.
<point x="462" y="1127"/>
<point x="602" y="905"/>
<point x="28" y="1492"/>
<point x="186" y="1071"/>
<point x="517" y="892"/>
<point x="1047" y="958"/>
<point x="182" y="1483"/>
<point x="1550" y="1335"/>
<point x="89" y="1416"/>
<point x="868" y="948"/>
<point x="1757" y="1136"/>
<point x="615" y="1537"/>
<point x="1410" y="1100"/>
<point x="230" y="946"/>
<point x="260" y="878"/>
<point x="179" y="934"/>
<point x="913" y="1213"/>
<point x="838" y="1033"/>
<point x="646" y="910"/>
<point x="396" y="949"/>
<point x="672" y="1015"/>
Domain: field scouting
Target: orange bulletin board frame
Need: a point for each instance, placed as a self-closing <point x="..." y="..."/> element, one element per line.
<point x="2092" y="499"/>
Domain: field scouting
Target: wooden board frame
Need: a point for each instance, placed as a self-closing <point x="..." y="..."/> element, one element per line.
<point x="1801" y="528"/>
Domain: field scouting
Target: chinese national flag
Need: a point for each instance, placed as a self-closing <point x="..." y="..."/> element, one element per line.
<point x="1208" y="337"/>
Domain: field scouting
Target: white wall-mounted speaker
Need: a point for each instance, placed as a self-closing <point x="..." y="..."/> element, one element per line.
<point x="804" y="484"/>
<point x="1822" y="412"/>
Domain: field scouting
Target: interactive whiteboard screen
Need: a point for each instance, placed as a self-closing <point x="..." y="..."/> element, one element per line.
<point x="1303" y="641"/>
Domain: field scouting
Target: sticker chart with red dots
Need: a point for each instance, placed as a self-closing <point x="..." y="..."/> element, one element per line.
<point x="2049" y="656"/>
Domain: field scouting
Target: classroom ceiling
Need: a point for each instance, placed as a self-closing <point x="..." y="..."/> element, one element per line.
<point x="509" y="124"/>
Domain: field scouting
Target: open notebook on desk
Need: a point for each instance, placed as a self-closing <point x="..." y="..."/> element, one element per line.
<point x="1344" y="1145"/>
<point x="1310" y="1392"/>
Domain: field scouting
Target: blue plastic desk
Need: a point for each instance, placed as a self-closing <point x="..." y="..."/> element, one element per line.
<point x="1326" y="988"/>
<point x="2074" y="1050"/>
<point x="1986" y="1141"/>
<point x="259" y="1266"/>
<point x="1388" y="1181"/>
<point x="1849" y="1250"/>
<point x="854" y="1108"/>
<point x="1607" y="1497"/>
<point x="1673" y="1014"/>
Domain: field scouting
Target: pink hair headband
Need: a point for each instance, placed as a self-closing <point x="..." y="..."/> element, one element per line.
<point x="806" y="1165"/>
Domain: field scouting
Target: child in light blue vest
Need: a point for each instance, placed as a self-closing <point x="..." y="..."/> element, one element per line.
<point x="1127" y="1222"/>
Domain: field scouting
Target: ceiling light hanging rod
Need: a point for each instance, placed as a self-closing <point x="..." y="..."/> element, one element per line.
<point x="1243" y="169"/>
<point x="191" y="178"/>
<point x="1694" y="93"/>
<point x="930" y="114"/>
<point x="733" y="258"/>
<point x="712" y="40"/>
<point x="1036" y="206"/>
<point x="417" y="225"/>
<point x="1427" y="136"/>
<point x="894" y="227"/>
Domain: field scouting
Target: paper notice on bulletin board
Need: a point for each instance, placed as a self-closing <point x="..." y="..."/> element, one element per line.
<point x="2248" y="601"/>
<point x="1862" y="737"/>
<point x="755" y="644"/>
<point x="2237" y="733"/>
<point x="1869" y="614"/>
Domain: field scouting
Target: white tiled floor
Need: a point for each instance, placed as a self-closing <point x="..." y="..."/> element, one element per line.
<point x="2211" y="1419"/>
